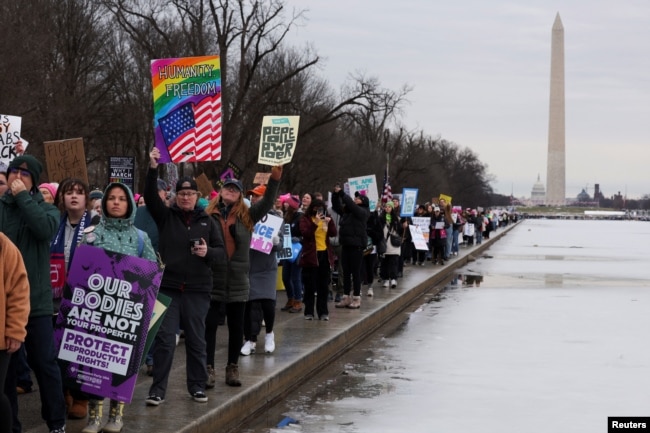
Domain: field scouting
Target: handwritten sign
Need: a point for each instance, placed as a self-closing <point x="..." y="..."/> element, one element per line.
<point x="366" y="185"/>
<point x="187" y="108"/>
<point x="418" y="238"/>
<point x="446" y="198"/>
<point x="423" y="223"/>
<point x="66" y="158"/>
<point x="264" y="231"/>
<point x="262" y="178"/>
<point x="9" y="136"/>
<point x="278" y="139"/>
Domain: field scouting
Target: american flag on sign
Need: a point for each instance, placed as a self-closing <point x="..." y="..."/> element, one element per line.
<point x="193" y="132"/>
<point x="387" y="195"/>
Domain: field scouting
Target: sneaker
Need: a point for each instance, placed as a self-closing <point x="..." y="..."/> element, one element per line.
<point x="344" y="302"/>
<point x="355" y="304"/>
<point x="58" y="430"/>
<point x="309" y="317"/>
<point x="154" y="400"/>
<point x="199" y="396"/>
<point x="386" y="284"/>
<point x="393" y="284"/>
<point x="325" y="317"/>
<point x="248" y="348"/>
<point x="178" y="338"/>
<point x="212" y="378"/>
<point x="269" y="342"/>
<point x="370" y="292"/>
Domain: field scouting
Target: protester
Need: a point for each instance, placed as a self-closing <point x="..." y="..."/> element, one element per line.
<point x="353" y="238"/>
<point x="438" y="236"/>
<point x="14" y="313"/>
<point x="49" y="192"/>
<point x="3" y="183"/>
<point x="30" y="223"/>
<point x="231" y="284"/>
<point x="317" y="258"/>
<point x="391" y="227"/>
<point x="291" y="270"/>
<point x="190" y="242"/>
<point x="75" y="218"/>
<point x="115" y="232"/>
<point x="263" y="274"/>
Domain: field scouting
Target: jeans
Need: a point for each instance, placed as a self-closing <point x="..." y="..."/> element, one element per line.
<point x="41" y="356"/>
<point x="454" y="241"/>
<point x="187" y="309"/>
<point x="450" y="231"/>
<point x="291" y="278"/>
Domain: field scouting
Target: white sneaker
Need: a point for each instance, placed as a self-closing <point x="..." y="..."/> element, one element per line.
<point x="248" y="348"/>
<point x="386" y="284"/>
<point x="269" y="343"/>
<point x="370" y="292"/>
<point x="393" y="283"/>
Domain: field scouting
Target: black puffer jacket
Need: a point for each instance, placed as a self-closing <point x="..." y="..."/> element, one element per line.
<point x="354" y="218"/>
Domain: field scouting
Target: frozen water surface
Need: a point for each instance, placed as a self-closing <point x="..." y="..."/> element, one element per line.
<point x="555" y="339"/>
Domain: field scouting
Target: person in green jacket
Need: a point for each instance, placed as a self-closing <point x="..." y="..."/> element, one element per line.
<point x="31" y="223"/>
<point x="115" y="232"/>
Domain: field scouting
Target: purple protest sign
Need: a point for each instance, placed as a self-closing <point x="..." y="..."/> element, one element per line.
<point x="103" y="321"/>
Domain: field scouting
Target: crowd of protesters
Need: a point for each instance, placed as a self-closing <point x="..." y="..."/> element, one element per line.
<point x="211" y="273"/>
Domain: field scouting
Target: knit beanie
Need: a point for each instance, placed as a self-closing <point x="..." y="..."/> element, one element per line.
<point x="29" y="163"/>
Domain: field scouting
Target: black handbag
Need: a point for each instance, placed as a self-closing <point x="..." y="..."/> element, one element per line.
<point x="395" y="240"/>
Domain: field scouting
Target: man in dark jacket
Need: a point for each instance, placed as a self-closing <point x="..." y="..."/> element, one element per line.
<point x="31" y="223"/>
<point x="190" y="242"/>
<point x="353" y="239"/>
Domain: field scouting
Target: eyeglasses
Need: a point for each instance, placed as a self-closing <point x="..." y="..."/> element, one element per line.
<point x="186" y="193"/>
<point x="22" y="173"/>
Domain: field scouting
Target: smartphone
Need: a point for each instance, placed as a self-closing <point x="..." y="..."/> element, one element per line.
<point x="195" y="243"/>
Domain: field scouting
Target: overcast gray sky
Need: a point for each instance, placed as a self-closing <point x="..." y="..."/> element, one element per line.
<point x="480" y="72"/>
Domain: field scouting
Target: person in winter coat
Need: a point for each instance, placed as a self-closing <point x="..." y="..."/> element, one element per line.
<point x="263" y="275"/>
<point x="390" y="225"/>
<point x="438" y="236"/>
<point x="14" y="313"/>
<point x="291" y="271"/>
<point x="115" y="232"/>
<point x="353" y="238"/>
<point x="317" y="259"/>
<point x="231" y="281"/>
<point x="30" y="223"/>
<point x="190" y="243"/>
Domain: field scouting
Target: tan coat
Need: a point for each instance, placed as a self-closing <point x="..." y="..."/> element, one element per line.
<point x="14" y="293"/>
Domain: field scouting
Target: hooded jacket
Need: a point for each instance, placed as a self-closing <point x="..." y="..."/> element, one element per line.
<point x="31" y="223"/>
<point x="119" y="234"/>
<point x="354" y="219"/>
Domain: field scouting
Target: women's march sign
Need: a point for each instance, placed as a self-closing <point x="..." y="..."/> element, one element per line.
<point x="278" y="139"/>
<point x="103" y="321"/>
<point x="187" y="108"/>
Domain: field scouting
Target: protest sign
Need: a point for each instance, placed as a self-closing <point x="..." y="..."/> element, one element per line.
<point x="103" y="320"/>
<point x="264" y="231"/>
<point x="9" y="136"/>
<point x="187" y="108"/>
<point x="262" y="178"/>
<point x="418" y="238"/>
<point x="230" y="172"/>
<point x="278" y="139"/>
<point x="66" y="158"/>
<point x="204" y="185"/>
<point x="121" y="169"/>
<point x="409" y="202"/>
<point x="365" y="185"/>
<point x="159" y="310"/>
<point x="444" y="197"/>
<point x="423" y="223"/>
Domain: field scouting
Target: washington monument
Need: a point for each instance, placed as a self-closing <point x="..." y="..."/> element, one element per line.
<point x="555" y="164"/>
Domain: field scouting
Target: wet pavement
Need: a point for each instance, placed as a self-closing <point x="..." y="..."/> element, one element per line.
<point x="303" y="348"/>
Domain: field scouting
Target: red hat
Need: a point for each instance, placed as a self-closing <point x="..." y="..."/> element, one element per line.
<point x="258" y="190"/>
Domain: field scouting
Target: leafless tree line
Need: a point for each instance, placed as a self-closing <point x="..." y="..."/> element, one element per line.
<point x="81" y="68"/>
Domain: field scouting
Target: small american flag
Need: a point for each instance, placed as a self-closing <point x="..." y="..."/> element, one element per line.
<point x="387" y="195"/>
<point x="193" y="132"/>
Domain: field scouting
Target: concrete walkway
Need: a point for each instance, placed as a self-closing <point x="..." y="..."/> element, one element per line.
<point x="302" y="348"/>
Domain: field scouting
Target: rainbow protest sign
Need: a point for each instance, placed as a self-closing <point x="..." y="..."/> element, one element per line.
<point x="187" y="108"/>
